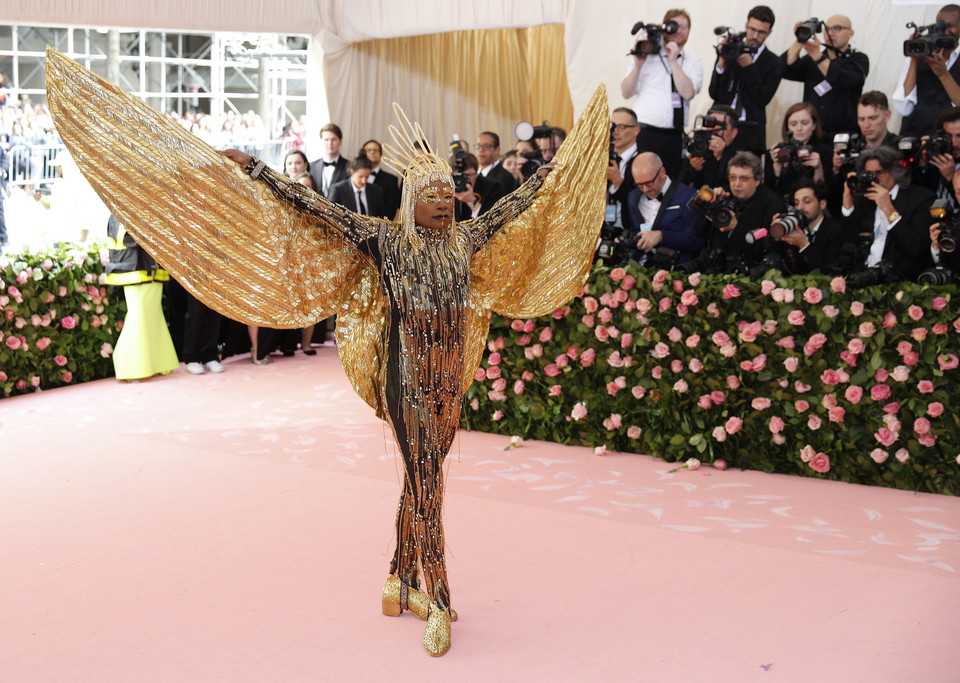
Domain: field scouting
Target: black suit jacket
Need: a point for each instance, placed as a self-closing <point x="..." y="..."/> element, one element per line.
<point x="756" y="85"/>
<point x="500" y="183"/>
<point x="824" y="248"/>
<point x="339" y="172"/>
<point x="345" y="194"/>
<point x="390" y="184"/>
<point x="622" y="194"/>
<point x="908" y="243"/>
<point x="757" y="212"/>
<point x="838" y="106"/>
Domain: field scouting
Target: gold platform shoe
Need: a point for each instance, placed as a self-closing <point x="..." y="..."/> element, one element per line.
<point x="397" y="597"/>
<point x="436" y="637"/>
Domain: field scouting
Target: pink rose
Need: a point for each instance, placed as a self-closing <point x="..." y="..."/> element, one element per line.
<point x="812" y="295"/>
<point x="546" y="335"/>
<point x="881" y="375"/>
<point x="21" y="384"/>
<point x="853" y="394"/>
<point x="776" y="425"/>
<point x="750" y="331"/>
<point x="613" y="422"/>
<point x="529" y="326"/>
<point x="705" y="402"/>
<point x="692" y="341"/>
<point x="760" y="362"/>
<point x="516" y="325"/>
<point x="880" y="392"/>
<point x="69" y="322"/>
<point x="720" y="338"/>
<point x="800" y="387"/>
<point x="614" y="360"/>
<point x="939" y="303"/>
<point x="925" y="386"/>
<point x="891" y="408"/>
<point x="527" y="376"/>
<point x="940" y="328"/>
<point x="770" y="326"/>
<point x="66" y="377"/>
<point x="746" y="365"/>
<point x="588" y="320"/>
<point x="678" y="286"/>
<point x="801" y="406"/>
<point x="731" y="291"/>
<point x="13" y="343"/>
<point x="3" y="376"/>
<point x="633" y="432"/>
<point x="814" y="422"/>
<point x="915" y="312"/>
<point x="60" y="360"/>
<point x="676" y="365"/>
<point x="626" y="341"/>
<point x="935" y="409"/>
<point x="518" y="387"/>
<point x="786" y="342"/>
<point x="493" y="373"/>
<point x="911" y="358"/>
<point x="674" y="334"/>
<point x="767" y="286"/>
<point x="733" y="381"/>
<point x="579" y="411"/>
<point x="856" y="308"/>
<point x="836" y="414"/>
<point x="497" y="415"/>
<point x="927" y="440"/>
<point x="791" y="363"/>
<point x="612" y="388"/>
<point x="695" y="365"/>
<point x="902" y="455"/>
<point x="807" y="453"/>
<point x="644" y="305"/>
<point x="480" y="375"/>
<point x="901" y="373"/>
<point x="638" y="391"/>
<point x="689" y="298"/>
<point x="948" y="361"/>
<point x="795" y="317"/>
<point x="820" y="463"/>
<point x="499" y="384"/>
<point x="656" y="372"/>
<point x="733" y="425"/>
<point x="665" y="304"/>
<point x="35" y="381"/>
<point x="889" y="321"/>
<point x="590" y="304"/>
<point x="718" y="396"/>
<point x="719" y="434"/>
<point x="830" y="377"/>
<point x="838" y="284"/>
<point x="601" y="333"/>
<point x="681" y="386"/>
<point x="660" y="351"/>
<point x="587" y="357"/>
<point x="921" y="425"/>
<point x="562" y="361"/>
<point x="555" y="390"/>
<point x="885" y="436"/>
<point x="694" y="279"/>
<point x="551" y="370"/>
<point x="628" y="282"/>
<point x="879" y="455"/>
<point x="867" y="329"/>
<point x="918" y="333"/>
<point x="605" y="315"/>
<point x="760" y="403"/>
<point x="617" y="274"/>
<point x="494" y="358"/>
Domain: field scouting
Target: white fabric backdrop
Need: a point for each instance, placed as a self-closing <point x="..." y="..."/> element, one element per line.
<point x="596" y="37"/>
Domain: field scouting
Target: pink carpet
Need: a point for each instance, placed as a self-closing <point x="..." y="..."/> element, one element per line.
<point x="238" y="527"/>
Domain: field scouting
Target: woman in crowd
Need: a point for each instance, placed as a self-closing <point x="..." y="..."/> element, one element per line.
<point x="801" y="153"/>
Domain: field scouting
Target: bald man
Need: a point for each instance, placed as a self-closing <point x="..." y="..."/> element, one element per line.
<point x="657" y="210"/>
<point x="832" y="73"/>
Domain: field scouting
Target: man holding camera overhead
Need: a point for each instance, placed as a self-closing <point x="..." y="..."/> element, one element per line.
<point x="748" y="81"/>
<point x="929" y="84"/>
<point x="832" y="72"/>
<point x="662" y="80"/>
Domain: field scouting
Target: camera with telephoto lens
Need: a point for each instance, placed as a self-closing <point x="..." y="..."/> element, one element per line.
<point x="791" y="153"/>
<point x="649" y="42"/>
<point x="880" y="274"/>
<point x="928" y="40"/>
<point x="459" y="164"/>
<point x="718" y="210"/>
<point x="704" y="129"/>
<point x="861" y="183"/>
<point x="526" y="131"/>
<point x="808" y="29"/>
<point x="938" y="143"/>
<point x="618" y="246"/>
<point x="790" y="221"/>
<point x="709" y="261"/>
<point x="949" y="219"/>
<point x="848" y="146"/>
<point x="735" y="43"/>
<point x="937" y="277"/>
<point x="662" y="258"/>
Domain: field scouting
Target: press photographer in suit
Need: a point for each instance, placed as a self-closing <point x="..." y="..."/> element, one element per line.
<point x="817" y="245"/>
<point x="658" y="214"/>
<point x="890" y="218"/>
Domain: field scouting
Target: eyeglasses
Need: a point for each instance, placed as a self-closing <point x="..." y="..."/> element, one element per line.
<point x="623" y="126"/>
<point x="757" y="32"/>
<point x="652" y="180"/>
<point x="837" y="29"/>
<point x="484" y="145"/>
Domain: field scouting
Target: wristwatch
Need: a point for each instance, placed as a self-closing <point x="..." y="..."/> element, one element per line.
<point x="893" y="217"/>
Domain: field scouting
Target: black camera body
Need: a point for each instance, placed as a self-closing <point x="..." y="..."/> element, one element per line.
<point x="928" y="40"/>
<point x="808" y="29"/>
<point x="792" y="153"/>
<point x="880" y="274"/>
<point x="649" y="43"/>
<point x="735" y="43"/>
<point x="949" y="219"/>
<point x="704" y="129"/>
<point x="459" y="165"/>
<point x="790" y="221"/>
<point x="937" y="277"/>
<point x="861" y="183"/>
<point x="718" y="210"/>
<point x="910" y="148"/>
<point x="533" y="161"/>
<point x="939" y="142"/>
<point x="848" y="146"/>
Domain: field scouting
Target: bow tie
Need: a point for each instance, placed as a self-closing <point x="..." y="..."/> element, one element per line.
<point x="660" y="197"/>
<point x="329" y="163"/>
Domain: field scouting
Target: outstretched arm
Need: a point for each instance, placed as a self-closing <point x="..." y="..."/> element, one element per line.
<point x="484" y="227"/>
<point x="353" y="227"/>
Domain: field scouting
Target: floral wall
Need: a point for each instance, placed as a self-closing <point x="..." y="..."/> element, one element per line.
<point x="59" y="321"/>
<point x="797" y="375"/>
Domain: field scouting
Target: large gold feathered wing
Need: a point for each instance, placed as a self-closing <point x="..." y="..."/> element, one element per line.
<point x="229" y="240"/>
<point x="540" y="260"/>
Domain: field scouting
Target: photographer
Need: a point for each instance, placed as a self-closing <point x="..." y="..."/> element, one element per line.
<point x="890" y="218"/>
<point x="802" y="152"/>
<point x="624" y="128"/>
<point x="758" y="205"/>
<point x="832" y="77"/>
<point x="928" y="85"/>
<point x="936" y="171"/>
<point x="658" y="215"/>
<point x="662" y="85"/>
<point x="470" y="202"/>
<point x="817" y="244"/>
<point x="711" y="168"/>
<point x="945" y="254"/>
<point x="749" y="82"/>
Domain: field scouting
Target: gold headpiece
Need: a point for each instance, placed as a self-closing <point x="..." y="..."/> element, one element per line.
<point x="417" y="167"/>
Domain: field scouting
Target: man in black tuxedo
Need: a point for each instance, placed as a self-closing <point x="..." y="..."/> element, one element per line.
<point x="757" y="203"/>
<point x="893" y="217"/>
<point x="816" y="247"/>
<point x="501" y="181"/>
<point x="657" y="209"/>
<point x="711" y="168"/>
<point x="331" y="167"/>
<point x="386" y="181"/>
<point x="356" y="193"/>
<point x="749" y="82"/>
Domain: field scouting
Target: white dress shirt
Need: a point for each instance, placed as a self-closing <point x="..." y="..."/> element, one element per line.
<point x="653" y="102"/>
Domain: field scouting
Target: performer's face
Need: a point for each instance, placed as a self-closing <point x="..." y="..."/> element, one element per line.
<point x="434" y="207"/>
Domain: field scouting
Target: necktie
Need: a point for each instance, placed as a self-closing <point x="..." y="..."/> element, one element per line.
<point x="329" y="163"/>
<point x="360" y="205"/>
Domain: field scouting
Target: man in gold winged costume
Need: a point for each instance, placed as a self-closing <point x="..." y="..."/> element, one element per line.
<point x="413" y="298"/>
